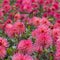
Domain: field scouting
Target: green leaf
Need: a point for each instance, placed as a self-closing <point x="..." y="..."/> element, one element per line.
<point x="11" y="50"/>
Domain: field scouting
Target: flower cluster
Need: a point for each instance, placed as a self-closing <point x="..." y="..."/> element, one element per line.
<point x="14" y="29"/>
<point x="30" y="30"/>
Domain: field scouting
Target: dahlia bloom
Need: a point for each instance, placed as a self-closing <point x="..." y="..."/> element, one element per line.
<point x="56" y="33"/>
<point x="41" y="29"/>
<point x="3" y="46"/>
<point x="8" y="21"/>
<point x="6" y="2"/>
<point x="25" y="46"/>
<point x="44" y="40"/>
<point x="45" y="21"/>
<point x="57" y="53"/>
<point x="35" y="21"/>
<point x="8" y="28"/>
<point x="14" y="29"/>
<point x="57" y="24"/>
<point x="20" y="26"/>
<point x="6" y="8"/>
<point x="3" y="42"/>
<point x="27" y="57"/>
<point x="1" y="26"/>
<point x="1" y="14"/>
<point x="19" y="56"/>
<point x="27" y="6"/>
<point x="17" y="16"/>
<point x="57" y="15"/>
<point x="38" y="48"/>
<point x="2" y="52"/>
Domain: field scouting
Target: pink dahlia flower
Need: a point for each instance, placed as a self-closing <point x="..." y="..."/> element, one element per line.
<point x="3" y="42"/>
<point x="2" y="52"/>
<point x="25" y="46"/>
<point x="3" y="46"/>
<point x="19" y="56"/>
<point x="44" y="40"/>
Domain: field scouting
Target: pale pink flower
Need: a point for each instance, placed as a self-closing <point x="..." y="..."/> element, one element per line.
<point x="35" y="21"/>
<point x="17" y="16"/>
